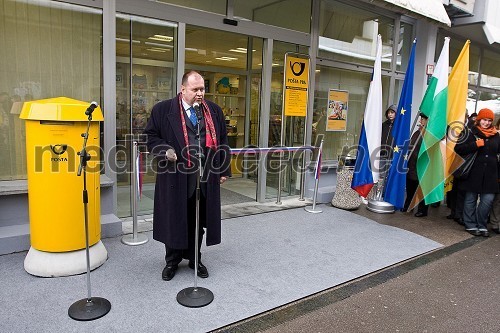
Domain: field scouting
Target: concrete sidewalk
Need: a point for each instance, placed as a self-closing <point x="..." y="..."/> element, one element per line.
<point x="452" y="289"/>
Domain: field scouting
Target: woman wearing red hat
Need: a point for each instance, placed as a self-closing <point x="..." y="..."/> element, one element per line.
<point x="482" y="179"/>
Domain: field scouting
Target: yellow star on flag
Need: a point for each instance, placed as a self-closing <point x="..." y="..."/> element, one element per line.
<point x="403" y="111"/>
<point x="396" y="149"/>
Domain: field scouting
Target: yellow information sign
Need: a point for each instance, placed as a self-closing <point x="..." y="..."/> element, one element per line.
<point x="296" y="86"/>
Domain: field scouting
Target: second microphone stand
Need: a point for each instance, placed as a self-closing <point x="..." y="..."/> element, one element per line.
<point x="196" y="297"/>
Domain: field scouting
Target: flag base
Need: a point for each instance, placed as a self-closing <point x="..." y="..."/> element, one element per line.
<point x="380" y="207"/>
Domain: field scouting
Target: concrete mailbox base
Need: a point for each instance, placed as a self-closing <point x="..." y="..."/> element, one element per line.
<point x="56" y="264"/>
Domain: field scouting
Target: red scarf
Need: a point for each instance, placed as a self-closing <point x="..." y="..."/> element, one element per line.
<point x="210" y="135"/>
<point x="490" y="131"/>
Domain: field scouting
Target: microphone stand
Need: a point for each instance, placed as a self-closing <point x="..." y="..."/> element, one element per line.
<point x="196" y="297"/>
<point x="89" y="308"/>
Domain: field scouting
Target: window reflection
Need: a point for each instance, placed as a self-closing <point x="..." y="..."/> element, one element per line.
<point x="350" y="34"/>
<point x="404" y="46"/>
<point x="213" y="6"/>
<point x="356" y="84"/>
<point x="49" y="49"/>
<point x="490" y="74"/>
<point x="289" y="14"/>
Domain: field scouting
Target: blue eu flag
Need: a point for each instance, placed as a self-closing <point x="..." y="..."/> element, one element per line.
<point x="396" y="179"/>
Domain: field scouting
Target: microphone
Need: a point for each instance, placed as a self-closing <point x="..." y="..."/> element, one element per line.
<point x="197" y="108"/>
<point x="91" y="108"/>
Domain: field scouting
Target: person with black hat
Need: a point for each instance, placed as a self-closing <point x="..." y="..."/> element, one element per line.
<point x="412" y="176"/>
<point x="471" y="120"/>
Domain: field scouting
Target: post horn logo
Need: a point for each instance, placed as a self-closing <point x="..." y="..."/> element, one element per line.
<point x="301" y="67"/>
<point x="58" y="149"/>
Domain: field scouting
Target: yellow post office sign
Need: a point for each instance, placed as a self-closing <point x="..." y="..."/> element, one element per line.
<point x="296" y="86"/>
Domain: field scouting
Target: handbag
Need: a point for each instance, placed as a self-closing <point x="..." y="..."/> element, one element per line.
<point x="463" y="171"/>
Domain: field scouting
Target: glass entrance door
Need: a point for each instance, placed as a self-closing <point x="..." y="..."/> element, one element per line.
<point x="231" y="65"/>
<point x="145" y="75"/>
<point x="291" y="162"/>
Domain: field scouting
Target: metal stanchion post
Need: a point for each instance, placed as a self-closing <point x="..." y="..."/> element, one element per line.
<point x="135" y="238"/>
<point x="317" y="172"/>
<point x="302" y="179"/>
<point x="280" y="175"/>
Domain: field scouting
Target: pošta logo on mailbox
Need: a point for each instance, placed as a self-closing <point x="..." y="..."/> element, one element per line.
<point x="58" y="150"/>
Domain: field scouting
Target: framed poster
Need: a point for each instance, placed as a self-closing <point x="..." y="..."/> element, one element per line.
<point x="337" y="109"/>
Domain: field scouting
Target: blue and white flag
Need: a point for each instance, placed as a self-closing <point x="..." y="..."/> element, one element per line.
<point x="396" y="179"/>
<point x="366" y="170"/>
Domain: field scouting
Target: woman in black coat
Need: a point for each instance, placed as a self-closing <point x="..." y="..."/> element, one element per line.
<point x="387" y="141"/>
<point x="482" y="179"/>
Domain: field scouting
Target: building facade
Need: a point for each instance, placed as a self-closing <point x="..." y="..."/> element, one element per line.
<point x="130" y="54"/>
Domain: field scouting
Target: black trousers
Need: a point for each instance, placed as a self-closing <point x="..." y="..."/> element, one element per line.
<point x="455" y="200"/>
<point x="174" y="256"/>
<point x="411" y="188"/>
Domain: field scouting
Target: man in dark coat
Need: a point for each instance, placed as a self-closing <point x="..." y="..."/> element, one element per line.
<point x="412" y="176"/>
<point x="173" y="141"/>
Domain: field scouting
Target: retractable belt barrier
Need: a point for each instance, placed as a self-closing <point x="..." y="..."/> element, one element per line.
<point x="268" y="150"/>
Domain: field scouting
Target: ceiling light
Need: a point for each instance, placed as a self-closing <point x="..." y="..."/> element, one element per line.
<point x="238" y="50"/>
<point x="125" y="40"/>
<point x="226" y="58"/>
<point x="159" y="45"/>
<point x="146" y="20"/>
<point x="157" y="49"/>
<point x="162" y="38"/>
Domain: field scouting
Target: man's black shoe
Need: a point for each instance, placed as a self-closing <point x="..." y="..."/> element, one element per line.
<point x="459" y="220"/>
<point x="420" y="214"/>
<point x="474" y="232"/>
<point x="168" y="272"/>
<point x="484" y="233"/>
<point x="202" y="270"/>
<point x="450" y="217"/>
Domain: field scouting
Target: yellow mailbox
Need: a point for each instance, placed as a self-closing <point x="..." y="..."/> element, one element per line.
<point x="54" y="129"/>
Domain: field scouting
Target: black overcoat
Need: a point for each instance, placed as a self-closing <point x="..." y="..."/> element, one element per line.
<point x="164" y="131"/>
<point x="484" y="173"/>
<point x="387" y="141"/>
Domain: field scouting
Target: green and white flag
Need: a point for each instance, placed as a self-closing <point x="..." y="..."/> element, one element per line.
<point x="430" y="166"/>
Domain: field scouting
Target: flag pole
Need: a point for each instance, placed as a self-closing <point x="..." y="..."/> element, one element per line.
<point x="380" y="206"/>
<point x="316" y="176"/>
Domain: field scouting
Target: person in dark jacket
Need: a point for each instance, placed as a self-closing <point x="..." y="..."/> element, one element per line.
<point x="495" y="210"/>
<point x="412" y="176"/>
<point x="482" y="181"/>
<point x="471" y="120"/>
<point x="172" y="140"/>
<point x="455" y="197"/>
<point x="387" y="141"/>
